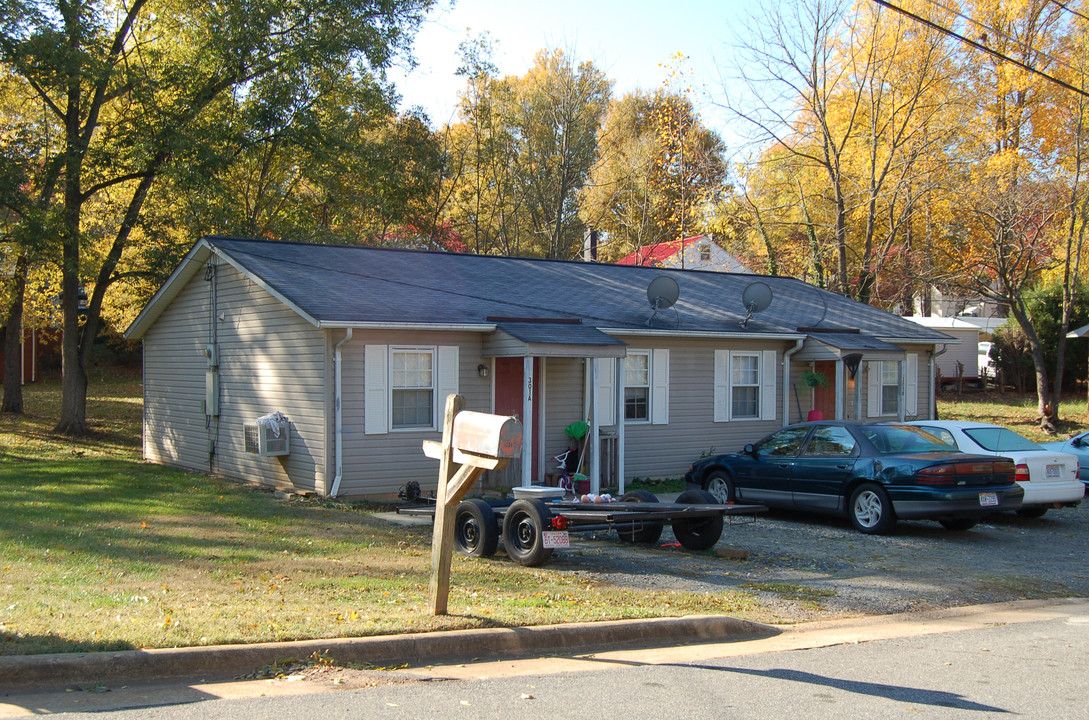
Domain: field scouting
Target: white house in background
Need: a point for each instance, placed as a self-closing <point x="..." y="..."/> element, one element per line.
<point x="963" y="350"/>
<point x="358" y="348"/>
<point x="699" y="252"/>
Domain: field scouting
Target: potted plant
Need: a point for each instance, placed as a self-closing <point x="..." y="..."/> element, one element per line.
<point x="814" y="379"/>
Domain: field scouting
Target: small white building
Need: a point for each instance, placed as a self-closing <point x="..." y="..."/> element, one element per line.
<point x="965" y="351"/>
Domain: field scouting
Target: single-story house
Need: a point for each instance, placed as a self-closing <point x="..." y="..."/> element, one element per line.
<point x="358" y="347"/>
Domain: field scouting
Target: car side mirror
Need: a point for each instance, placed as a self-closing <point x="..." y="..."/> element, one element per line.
<point x="1077" y="441"/>
<point x="750" y="450"/>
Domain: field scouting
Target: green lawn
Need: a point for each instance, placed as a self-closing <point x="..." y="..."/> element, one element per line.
<point x="101" y="551"/>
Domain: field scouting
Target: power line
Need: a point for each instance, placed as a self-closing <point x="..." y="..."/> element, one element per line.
<point x="998" y="33"/>
<point x="1069" y="9"/>
<point x="979" y="46"/>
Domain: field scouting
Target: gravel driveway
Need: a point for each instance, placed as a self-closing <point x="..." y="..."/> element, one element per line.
<point x="922" y="566"/>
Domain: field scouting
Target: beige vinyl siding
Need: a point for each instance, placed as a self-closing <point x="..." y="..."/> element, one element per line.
<point x="270" y="360"/>
<point x="380" y="464"/>
<point x="804" y="396"/>
<point x="563" y="395"/>
<point x="174" y="423"/>
<point x="668" y="450"/>
<point x="967" y="353"/>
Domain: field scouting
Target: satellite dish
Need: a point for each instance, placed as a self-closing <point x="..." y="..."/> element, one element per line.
<point x="662" y="293"/>
<point x="756" y="298"/>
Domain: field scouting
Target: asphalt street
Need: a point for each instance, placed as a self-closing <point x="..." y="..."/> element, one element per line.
<point x="1023" y="659"/>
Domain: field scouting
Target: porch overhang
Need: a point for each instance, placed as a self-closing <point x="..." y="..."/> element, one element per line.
<point x="835" y="345"/>
<point x="551" y="339"/>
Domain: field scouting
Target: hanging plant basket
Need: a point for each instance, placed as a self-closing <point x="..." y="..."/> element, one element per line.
<point x="814" y="379"/>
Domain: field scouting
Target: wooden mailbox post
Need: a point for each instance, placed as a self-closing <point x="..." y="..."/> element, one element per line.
<point x="472" y="442"/>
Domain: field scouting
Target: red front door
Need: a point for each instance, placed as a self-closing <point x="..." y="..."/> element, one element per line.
<point x="509" y="385"/>
<point x="824" y="396"/>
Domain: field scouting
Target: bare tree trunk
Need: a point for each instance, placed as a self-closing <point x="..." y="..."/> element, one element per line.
<point x="13" y="355"/>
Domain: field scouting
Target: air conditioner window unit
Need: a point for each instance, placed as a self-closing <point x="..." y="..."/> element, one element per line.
<point x="269" y="436"/>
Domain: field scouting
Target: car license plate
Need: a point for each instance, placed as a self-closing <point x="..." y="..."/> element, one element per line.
<point x="556" y="539"/>
<point x="988" y="499"/>
<point x="1054" y="471"/>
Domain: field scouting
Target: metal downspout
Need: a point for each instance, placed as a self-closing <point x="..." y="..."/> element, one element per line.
<point x="786" y="380"/>
<point x="933" y="409"/>
<point x="338" y="424"/>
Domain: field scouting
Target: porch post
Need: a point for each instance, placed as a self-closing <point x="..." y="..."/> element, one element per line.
<point x="618" y="404"/>
<point x="592" y="438"/>
<point x="901" y="390"/>
<point x="527" y="421"/>
<point x="841" y="389"/>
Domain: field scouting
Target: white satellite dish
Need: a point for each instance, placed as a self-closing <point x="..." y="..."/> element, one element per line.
<point x="756" y="298"/>
<point x="662" y="293"/>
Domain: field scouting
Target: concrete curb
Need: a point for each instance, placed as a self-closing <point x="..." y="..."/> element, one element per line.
<point x="38" y="672"/>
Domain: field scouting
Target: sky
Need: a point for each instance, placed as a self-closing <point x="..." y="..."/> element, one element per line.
<point x="633" y="42"/>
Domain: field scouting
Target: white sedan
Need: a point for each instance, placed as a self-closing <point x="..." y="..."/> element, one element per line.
<point x="1051" y="479"/>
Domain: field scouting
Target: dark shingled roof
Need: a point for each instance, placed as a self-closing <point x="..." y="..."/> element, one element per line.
<point x="345" y="285"/>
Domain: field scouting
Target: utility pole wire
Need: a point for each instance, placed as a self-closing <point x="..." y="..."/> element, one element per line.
<point x="1069" y="9"/>
<point x="998" y="33"/>
<point x="979" y="46"/>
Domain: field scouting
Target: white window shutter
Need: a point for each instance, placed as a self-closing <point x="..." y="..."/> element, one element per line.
<point x="375" y="395"/>
<point x="911" y="382"/>
<point x="873" y="386"/>
<point x="446" y="380"/>
<point x="767" y="385"/>
<point x="659" y="403"/>
<point x="722" y="385"/>
<point x="606" y="391"/>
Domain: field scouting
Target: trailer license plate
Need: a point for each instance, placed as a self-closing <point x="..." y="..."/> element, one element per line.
<point x="556" y="539"/>
<point x="988" y="499"/>
<point x="1054" y="471"/>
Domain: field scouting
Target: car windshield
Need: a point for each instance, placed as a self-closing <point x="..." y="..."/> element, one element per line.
<point x="998" y="439"/>
<point x="889" y="439"/>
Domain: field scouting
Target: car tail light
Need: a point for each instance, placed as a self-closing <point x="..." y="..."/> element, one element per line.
<point x="937" y="475"/>
<point x="1022" y="474"/>
<point x="559" y="522"/>
<point x="948" y="473"/>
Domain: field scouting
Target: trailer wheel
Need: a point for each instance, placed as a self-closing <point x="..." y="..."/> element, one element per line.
<point x="523" y="524"/>
<point x="698" y="533"/>
<point x="646" y="532"/>
<point x="476" y="531"/>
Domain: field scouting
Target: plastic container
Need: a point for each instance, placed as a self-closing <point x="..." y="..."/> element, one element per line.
<point x="539" y="492"/>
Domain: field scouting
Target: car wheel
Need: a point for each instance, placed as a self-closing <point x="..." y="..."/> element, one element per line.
<point x="523" y="525"/>
<point x="721" y="486"/>
<point x="1032" y="511"/>
<point x="959" y="523"/>
<point x="871" y="510"/>
<point x="698" y="533"/>
<point x="644" y="532"/>
<point x="476" y="531"/>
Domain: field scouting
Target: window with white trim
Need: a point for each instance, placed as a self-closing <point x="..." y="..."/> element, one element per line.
<point x="637" y="385"/>
<point x="744" y="385"/>
<point x="890" y="387"/>
<point x="412" y="385"/>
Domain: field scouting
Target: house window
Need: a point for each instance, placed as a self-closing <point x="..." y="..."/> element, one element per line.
<point x="637" y="385"/>
<point x="412" y="381"/>
<point x="890" y="388"/>
<point x="705" y="252"/>
<point x="745" y="385"/>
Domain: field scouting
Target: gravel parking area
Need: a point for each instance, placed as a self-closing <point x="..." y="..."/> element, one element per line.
<point x="808" y="568"/>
